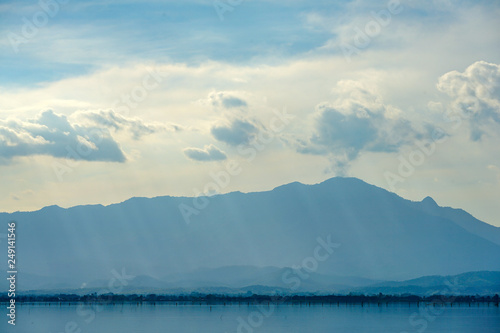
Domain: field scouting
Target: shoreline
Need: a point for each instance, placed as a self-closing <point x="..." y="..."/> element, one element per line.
<point x="210" y="299"/>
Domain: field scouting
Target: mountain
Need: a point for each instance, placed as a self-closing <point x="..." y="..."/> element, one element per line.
<point x="234" y="278"/>
<point x="245" y="276"/>
<point x="373" y="234"/>
<point x="471" y="283"/>
<point x="463" y="219"/>
<point x="247" y="280"/>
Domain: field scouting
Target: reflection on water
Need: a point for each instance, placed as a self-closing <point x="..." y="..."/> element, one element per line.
<point x="243" y="318"/>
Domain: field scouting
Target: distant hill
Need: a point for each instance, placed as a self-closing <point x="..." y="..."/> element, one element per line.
<point x="471" y="283"/>
<point x="379" y="236"/>
<point x="268" y="281"/>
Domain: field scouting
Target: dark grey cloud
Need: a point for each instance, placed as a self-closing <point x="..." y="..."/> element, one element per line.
<point x="52" y="134"/>
<point x="237" y="132"/>
<point x="207" y="154"/>
<point x="357" y="122"/>
<point x="336" y="131"/>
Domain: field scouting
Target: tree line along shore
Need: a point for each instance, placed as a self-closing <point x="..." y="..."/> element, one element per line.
<point x="213" y="299"/>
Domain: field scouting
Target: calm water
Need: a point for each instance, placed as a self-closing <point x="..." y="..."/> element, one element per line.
<point x="254" y="318"/>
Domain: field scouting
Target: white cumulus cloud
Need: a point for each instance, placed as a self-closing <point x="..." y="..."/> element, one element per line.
<point x="475" y="95"/>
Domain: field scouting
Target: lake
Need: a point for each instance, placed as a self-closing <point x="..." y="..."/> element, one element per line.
<point x="243" y="318"/>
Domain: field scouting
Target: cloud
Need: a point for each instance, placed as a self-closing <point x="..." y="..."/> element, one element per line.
<point x="52" y="134"/>
<point x="207" y="154"/>
<point x="226" y="100"/>
<point x="475" y="95"/>
<point x="237" y="132"/>
<point x="236" y="126"/>
<point x="21" y="195"/>
<point x="357" y="121"/>
<point x="135" y="126"/>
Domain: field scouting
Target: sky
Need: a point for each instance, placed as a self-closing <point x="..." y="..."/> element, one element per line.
<point x="101" y="101"/>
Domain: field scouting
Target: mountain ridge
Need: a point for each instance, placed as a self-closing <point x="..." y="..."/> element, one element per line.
<point x="427" y="201"/>
<point x="485" y="283"/>
<point x="382" y="236"/>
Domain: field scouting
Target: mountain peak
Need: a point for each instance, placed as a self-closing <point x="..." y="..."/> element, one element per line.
<point x="51" y="208"/>
<point x="336" y="181"/>
<point x="289" y="185"/>
<point x="429" y="202"/>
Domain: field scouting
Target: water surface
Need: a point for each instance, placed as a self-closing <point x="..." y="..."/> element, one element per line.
<point x="169" y="317"/>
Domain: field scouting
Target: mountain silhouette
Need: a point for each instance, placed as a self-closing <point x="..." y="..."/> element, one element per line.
<point x="378" y="235"/>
